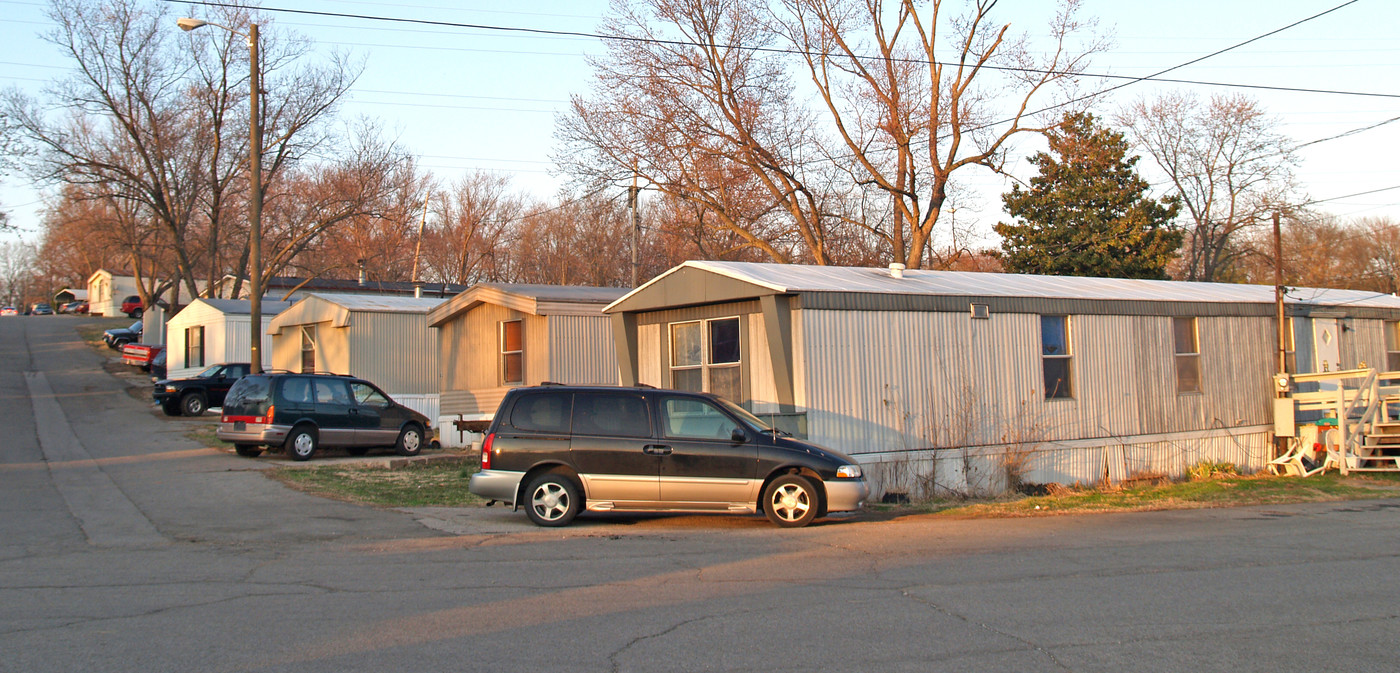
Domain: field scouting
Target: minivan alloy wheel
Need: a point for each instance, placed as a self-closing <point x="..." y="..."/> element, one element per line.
<point x="791" y="501"/>
<point x="553" y="500"/>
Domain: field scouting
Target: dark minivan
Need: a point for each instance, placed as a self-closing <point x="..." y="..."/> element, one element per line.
<point x="303" y="412"/>
<point x="559" y="450"/>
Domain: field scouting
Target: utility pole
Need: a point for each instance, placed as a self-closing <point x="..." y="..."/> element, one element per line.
<point x="255" y="204"/>
<point x="636" y="226"/>
<point x="418" y="284"/>
<point x="1278" y="298"/>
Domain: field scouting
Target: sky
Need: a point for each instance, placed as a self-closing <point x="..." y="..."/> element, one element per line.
<point x="467" y="99"/>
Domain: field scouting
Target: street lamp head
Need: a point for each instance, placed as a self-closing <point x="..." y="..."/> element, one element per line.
<point x="189" y="24"/>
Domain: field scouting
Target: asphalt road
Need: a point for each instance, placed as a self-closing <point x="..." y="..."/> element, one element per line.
<point x="126" y="545"/>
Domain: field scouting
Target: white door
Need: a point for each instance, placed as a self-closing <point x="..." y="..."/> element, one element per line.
<point x="1327" y="351"/>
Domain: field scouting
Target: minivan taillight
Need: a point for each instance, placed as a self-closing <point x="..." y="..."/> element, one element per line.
<point x="270" y="410"/>
<point x="486" y="451"/>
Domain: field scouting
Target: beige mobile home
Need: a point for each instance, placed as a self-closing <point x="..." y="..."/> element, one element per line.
<point x="381" y="339"/>
<point x="964" y="382"/>
<point x="215" y="331"/>
<point x="497" y="336"/>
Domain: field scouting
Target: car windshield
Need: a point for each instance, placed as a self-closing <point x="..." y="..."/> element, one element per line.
<point x="749" y="419"/>
<point x="136" y="326"/>
<point x="210" y="372"/>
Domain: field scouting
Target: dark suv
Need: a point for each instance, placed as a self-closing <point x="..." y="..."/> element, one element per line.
<point x="193" y="395"/>
<point x="558" y="450"/>
<point x="302" y="412"/>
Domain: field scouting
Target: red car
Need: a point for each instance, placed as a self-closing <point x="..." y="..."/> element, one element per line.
<point x="140" y="355"/>
<point x="132" y="307"/>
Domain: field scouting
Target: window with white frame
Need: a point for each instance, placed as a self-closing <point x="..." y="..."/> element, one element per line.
<point x="1055" y="356"/>
<point x="194" y="346"/>
<point x="308" y="349"/>
<point x="1188" y="355"/>
<point x="705" y="357"/>
<point x="512" y="367"/>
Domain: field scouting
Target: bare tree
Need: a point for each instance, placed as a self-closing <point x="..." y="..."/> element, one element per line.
<point x="154" y="119"/>
<point x="470" y="229"/>
<point x="307" y="203"/>
<point x="697" y="95"/>
<point x="1230" y="167"/>
<point x="690" y="98"/>
<point x="908" y="116"/>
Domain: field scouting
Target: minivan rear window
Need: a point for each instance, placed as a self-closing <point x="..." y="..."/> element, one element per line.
<point x="542" y="412"/>
<point x="249" y="397"/>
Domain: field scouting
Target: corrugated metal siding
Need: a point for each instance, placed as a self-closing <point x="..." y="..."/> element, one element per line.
<point x="1364" y="341"/>
<point x="763" y="392"/>
<point x="895" y="381"/>
<point x="987" y="470"/>
<point x="581" y="349"/>
<point x="649" y="360"/>
<point x="397" y="351"/>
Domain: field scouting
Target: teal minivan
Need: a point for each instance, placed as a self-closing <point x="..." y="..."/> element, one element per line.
<point x="303" y="412"/>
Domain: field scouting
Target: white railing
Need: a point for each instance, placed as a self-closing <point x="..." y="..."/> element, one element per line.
<point x="1358" y="402"/>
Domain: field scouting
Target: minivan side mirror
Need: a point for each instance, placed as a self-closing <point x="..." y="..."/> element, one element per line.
<point x="738" y="436"/>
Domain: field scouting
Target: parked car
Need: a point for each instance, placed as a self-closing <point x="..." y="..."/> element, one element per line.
<point x="303" y="412"/>
<point x="560" y="450"/>
<point x="74" y="307"/>
<point x="141" y="355"/>
<point x="158" y="366"/>
<point x="8" y="310"/>
<point x="121" y="336"/>
<point x="42" y="309"/>
<point x="194" y="395"/>
<point x="132" y="307"/>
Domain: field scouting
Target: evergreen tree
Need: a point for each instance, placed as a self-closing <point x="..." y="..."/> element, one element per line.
<point x="1087" y="213"/>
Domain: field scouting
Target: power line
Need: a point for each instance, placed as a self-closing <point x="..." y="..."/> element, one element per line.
<point x="1348" y="196"/>
<point x="774" y="50"/>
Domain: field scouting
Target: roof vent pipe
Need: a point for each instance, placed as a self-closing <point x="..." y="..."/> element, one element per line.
<point x="364" y="275"/>
<point x="896" y="270"/>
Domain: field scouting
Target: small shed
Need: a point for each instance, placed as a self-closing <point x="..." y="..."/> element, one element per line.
<point x="214" y="331"/>
<point x="955" y="382"/>
<point x="383" y="339"/>
<point x="497" y="336"/>
<point x="67" y="295"/>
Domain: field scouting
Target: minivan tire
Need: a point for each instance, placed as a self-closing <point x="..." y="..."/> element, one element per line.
<point x="552" y="500"/>
<point x="791" y="501"/>
<point x="301" y="443"/>
<point x="410" y="441"/>
<point x="248" y="450"/>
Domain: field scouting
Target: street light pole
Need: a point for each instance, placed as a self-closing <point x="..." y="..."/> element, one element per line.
<point x="255" y="195"/>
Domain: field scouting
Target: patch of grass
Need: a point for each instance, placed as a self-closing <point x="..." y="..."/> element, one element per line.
<point x="204" y="433"/>
<point x="419" y="485"/>
<point x="1222" y="490"/>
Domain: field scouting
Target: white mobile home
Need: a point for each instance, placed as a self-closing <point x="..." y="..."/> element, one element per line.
<point x="976" y="381"/>
<point x="215" y="331"/>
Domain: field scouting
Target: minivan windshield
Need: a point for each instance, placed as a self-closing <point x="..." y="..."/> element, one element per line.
<point x="749" y="419"/>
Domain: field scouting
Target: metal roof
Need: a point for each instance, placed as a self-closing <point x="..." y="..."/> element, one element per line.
<point x="380" y="303"/>
<point x="240" y="306"/>
<point x="583" y="294"/>
<point x="797" y="279"/>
